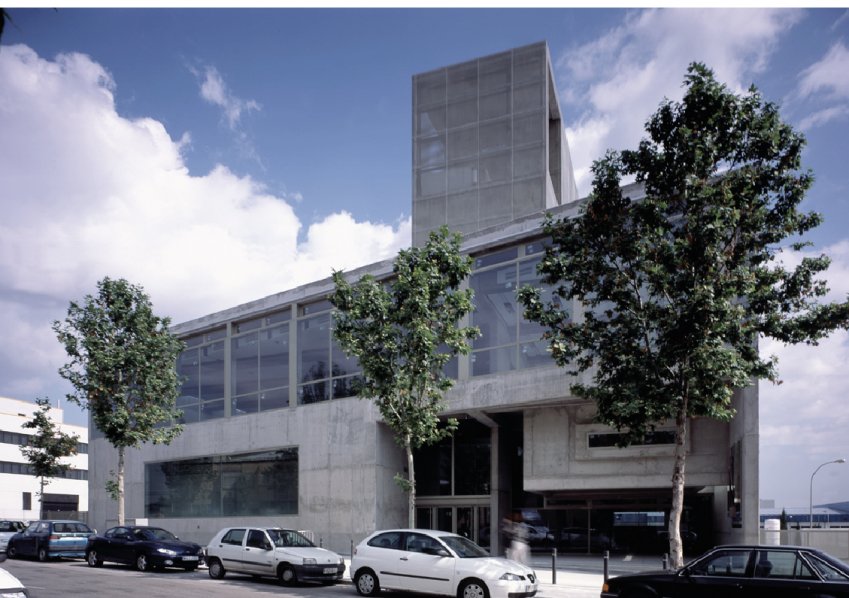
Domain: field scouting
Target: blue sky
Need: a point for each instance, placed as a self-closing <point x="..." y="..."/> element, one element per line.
<point x="216" y="156"/>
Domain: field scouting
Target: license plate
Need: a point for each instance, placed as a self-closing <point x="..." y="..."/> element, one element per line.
<point x="329" y="570"/>
<point x="190" y="558"/>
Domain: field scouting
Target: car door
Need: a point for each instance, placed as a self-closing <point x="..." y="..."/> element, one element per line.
<point x="120" y="545"/>
<point x="230" y="549"/>
<point x="258" y="554"/>
<point x="27" y="544"/>
<point x="424" y="568"/>
<point x="722" y="573"/>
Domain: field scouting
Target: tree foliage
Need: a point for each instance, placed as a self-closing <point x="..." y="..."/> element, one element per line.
<point x="403" y="332"/>
<point x="679" y="284"/>
<point x="123" y="369"/>
<point x="47" y="447"/>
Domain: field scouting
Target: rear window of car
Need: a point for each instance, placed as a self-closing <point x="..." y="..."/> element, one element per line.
<point x="828" y="571"/>
<point x="387" y="540"/>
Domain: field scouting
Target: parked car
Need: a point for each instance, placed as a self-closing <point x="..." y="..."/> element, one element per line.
<point x="750" y="571"/>
<point x="10" y="585"/>
<point x="143" y="547"/>
<point x="7" y="530"/>
<point x="272" y="552"/>
<point x="435" y="562"/>
<point x="47" y="539"/>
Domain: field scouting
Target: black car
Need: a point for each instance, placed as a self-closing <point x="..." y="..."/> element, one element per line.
<point x="749" y="571"/>
<point x="144" y="548"/>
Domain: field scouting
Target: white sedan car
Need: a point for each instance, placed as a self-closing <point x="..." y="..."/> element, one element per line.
<point x="434" y="562"/>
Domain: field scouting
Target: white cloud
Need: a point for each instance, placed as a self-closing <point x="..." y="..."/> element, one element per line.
<point x="616" y="82"/>
<point x="215" y="91"/>
<point x="88" y="193"/>
<point x="825" y="82"/>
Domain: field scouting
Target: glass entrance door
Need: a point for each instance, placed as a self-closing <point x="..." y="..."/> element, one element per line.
<point x="471" y="521"/>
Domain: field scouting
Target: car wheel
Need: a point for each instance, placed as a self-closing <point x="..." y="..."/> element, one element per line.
<point x="286" y="574"/>
<point x="11" y="552"/>
<point x="43" y="555"/>
<point x="142" y="564"/>
<point x="367" y="583"/>
<point x="93" y="559"/>
<point x="473" y="588"/>
<point x="216" y="569"/>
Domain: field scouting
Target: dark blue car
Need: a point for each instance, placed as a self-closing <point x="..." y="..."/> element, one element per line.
<point x="144" y="548"/>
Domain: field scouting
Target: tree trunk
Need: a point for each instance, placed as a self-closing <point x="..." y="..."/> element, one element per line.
<point x="676" y="550"/>
<point x="120" y="481"/>
<point x="41" y="498"/>
<point x="411" y="478"/>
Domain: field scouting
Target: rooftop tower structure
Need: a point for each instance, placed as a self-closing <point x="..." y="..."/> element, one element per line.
<point x="488" y="143"/>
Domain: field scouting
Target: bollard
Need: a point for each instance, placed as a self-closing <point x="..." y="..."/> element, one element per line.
<point x="320" y="542"/>
<point x="606" y="565"/>
<point x="665" y="561"/>
<point x="352" y="548"/>
<point x="554" y="565"/>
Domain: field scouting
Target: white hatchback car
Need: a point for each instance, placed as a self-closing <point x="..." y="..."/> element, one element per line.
<point x="434" y="562"/>
<point x="271" y="552"/>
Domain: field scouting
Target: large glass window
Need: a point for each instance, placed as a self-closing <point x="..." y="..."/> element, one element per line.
<point x="456" y="466"/>
<point x="255" y="484"/>
<point x="201" y="365"/>
<point x="260" y="365"/>
<point x="324" y="370"/>
<point x="508" y="341"/>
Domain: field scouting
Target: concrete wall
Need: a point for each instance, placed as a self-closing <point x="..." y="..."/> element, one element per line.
<point x="346" y="463"/>
<point x="557" y="457"/>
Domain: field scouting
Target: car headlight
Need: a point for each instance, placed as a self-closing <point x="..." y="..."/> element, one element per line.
<point x="309" y="561"/>
<point x="511" y="577"/>
<point x="166" y="551"/>
<point x="13" y="594"/>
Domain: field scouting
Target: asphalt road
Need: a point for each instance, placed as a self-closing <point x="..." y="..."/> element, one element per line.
<point x="64" y="578"/>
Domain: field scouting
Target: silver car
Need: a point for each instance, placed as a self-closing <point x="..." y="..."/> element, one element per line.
<point x="9" y="528"/>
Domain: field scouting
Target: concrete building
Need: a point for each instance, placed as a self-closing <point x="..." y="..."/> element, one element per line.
<point x="274" y="436"/>
<point x="19" y="488"/>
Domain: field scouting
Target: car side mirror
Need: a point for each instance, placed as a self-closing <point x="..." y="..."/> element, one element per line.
<point x="267" y="545"/>
<point x="437" y="552"/>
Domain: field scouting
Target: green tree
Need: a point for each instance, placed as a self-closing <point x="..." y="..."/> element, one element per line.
<point x="123" y="369"/>
<point x="403" y="332"/>
<point x="680" y="284"/>
<point x="47" y="447"/>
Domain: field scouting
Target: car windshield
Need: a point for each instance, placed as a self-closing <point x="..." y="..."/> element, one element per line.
<point x="156" y="533"/>
<point x="288" y="538"/>
<point x="465" y="548"/>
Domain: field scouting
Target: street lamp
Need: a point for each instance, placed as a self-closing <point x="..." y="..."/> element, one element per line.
<point x="811" y="503"/>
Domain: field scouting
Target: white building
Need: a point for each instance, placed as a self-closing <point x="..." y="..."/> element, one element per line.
<point x="64" y="496"/>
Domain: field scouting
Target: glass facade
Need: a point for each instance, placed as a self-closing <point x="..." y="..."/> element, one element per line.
<point x="263" y="483"/>
<point x="324" y="370"/>
<point x="259" y="364"/>
<point x="278" y="360"/>
<point x="508" y="341"/>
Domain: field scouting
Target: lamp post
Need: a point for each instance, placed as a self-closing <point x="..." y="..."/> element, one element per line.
<point x="811" y="503"/>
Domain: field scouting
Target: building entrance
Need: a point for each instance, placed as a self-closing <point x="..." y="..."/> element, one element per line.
<point x="471" y="521"/>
